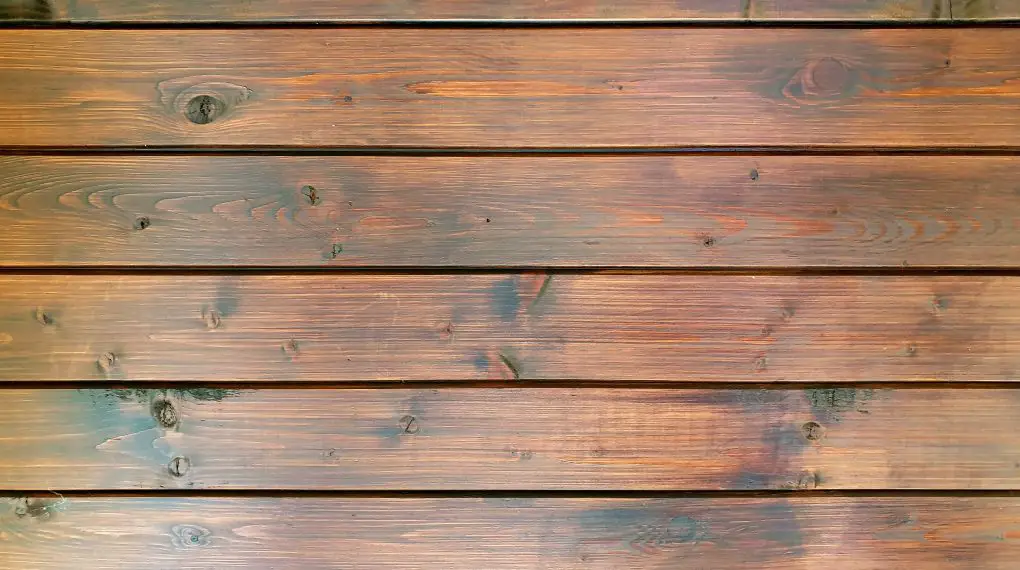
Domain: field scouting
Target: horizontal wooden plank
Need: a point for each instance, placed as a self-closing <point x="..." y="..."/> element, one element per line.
<point x="755" y="533"/>
<point x="655" y="211"/>
<point x="607" y="327"/>
<point x="520" y="439"/>
<point x="367" y="11"/>
<point x="510" y="88"/>
<point x="984" y="9"/>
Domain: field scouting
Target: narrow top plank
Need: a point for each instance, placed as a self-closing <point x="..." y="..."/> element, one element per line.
<point x="477" y="10"/>
<point x="510" y="87"/>
<point x="467" y="533"/>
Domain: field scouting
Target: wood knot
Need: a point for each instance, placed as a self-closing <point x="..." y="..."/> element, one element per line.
<point x="760" y="364"/>
<point x="204" y="109"/>
<point x="754" y="174"/>
<point x="337" y="249"/>
<point x="813" y="431"/>
<point x="819" y="81"/>
<point x="828" y="76"/>
<point x="43" y="318"/>
<point x="311" y="194"/>
<point x="189" y="536"/>
<point x="707" y="241"/>
<point x="142" y="223"/>
<point x="179" y="466"/>
<point x="291" y="348"/>
<point x="211" y="318"/>
<point x="939" y="305"/>
<point x="107" y="362"/>
<point x="165" y="413"/>
<point x="409" y="425"/>
<point x="202" y="101"/>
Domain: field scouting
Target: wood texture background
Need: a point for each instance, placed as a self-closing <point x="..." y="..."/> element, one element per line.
<point x="530" y="326"/>
<point x="752" y="533"/>
<point x="565" y="211"/>
<point x="211" y="417"/>
<point x="510" y="87"/>
<point x="367" y="11"/>
<point x="509" y="439"/>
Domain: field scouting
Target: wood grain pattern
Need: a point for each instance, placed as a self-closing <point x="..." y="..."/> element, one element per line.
<point x="566" y="211"/>
<point x="984" y="9"/>
<point x="521" y="439"/>
<point x="367" y="11"/>
<point x="606" y="327"/>
<point x="510" y="87"/>
<point x="754" y="533"/>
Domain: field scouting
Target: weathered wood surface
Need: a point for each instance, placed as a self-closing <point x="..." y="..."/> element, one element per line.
<point x="369" y="11"/>
<point x="307" y="532"/>
<point x="666" y="211"/>
<point x="984" y="9"/>
<point x="510" y="87"/>
<point x="531" y="326"/>
<point x="520" y="439"/>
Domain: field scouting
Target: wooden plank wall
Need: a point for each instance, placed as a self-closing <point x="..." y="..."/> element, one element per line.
<point x="476" y="284"/>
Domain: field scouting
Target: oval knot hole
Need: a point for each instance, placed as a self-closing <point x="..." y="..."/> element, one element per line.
<point x="179" y="466"/>
<point x="204" y="109"/>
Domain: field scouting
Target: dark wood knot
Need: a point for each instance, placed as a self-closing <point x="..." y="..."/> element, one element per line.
<point x="202" y="99"/>
<point x="179" y="466"/>
<point x="165" y="413"/>
<point x="813" y="431"/>
<point x="142" y="222"/>
<point x="43" y="318"/>
<point x="311" y="194"/>
<point x="204" y="109"/>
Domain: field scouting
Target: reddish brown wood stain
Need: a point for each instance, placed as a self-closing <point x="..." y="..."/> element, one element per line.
<point x="546" y="314"/>
<point x="517" y="87"/>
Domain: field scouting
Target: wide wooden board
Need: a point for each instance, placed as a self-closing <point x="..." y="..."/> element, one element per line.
<point x="860" y="533"/>
<point x="531" y="326"/>
<point x="509" y="439"/>
<point x="497" y="211"/>
<point x="486" y="10"/>
<point x="510" y="87"/>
